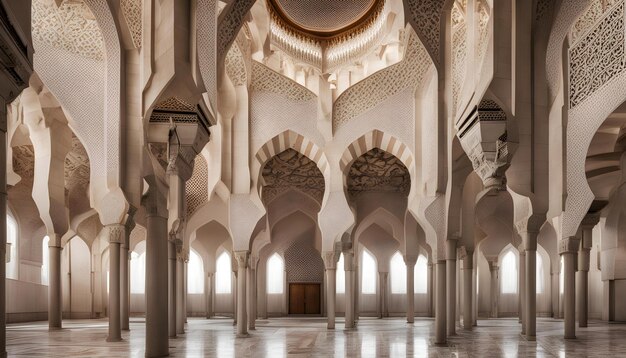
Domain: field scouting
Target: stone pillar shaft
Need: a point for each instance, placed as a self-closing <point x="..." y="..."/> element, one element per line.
<point x="242" y="267"/>
<point x="171" y="309"/>
<point x="440" y="303"/>
<point x="495" y="288"/>
<point x="125" y="285"/>
<point x="522" y="289"/>
<point x="349" y="297"/>
<point x="530" y="302"/>
<point x="331" y="293"/>
<point x="451" y="287"/>
<point x="468" y="268"/>
<point x="3" y="246"/>
<point x="180" y="294"/>
<point x="584" y="258"/>
<point x="55" y="315"/>
<point x="568" y="247"/>
<point x="410" y="290"/>
<point x="157" y="344"/>
<point x="116" y="234"/>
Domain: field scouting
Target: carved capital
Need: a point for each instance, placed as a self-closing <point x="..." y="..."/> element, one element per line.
<point x="330" y="260"/>
<point x="54" y="240"/>
<point x="242" y="258"/>
<point x="569" y="245"/>
<point x="117" y="233"/>
<point x="451" y="249"/>
<point x="177" y="230"/>
<point x="410" y="260"/>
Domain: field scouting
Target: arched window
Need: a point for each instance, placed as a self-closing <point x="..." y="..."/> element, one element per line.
<point x="562" y="277"/>
<point x="45" y="257"/>
<point x="223" y="275"/>
<point x="340" y="276"/>
<point x="420" y="278"/>
<point x="11" y="266"/>
<point x="368" y="274"/>
<point x="275" y="274"/>
<point x="397" y="271"/>
<point x="195" y="273"/>
<point x="138" y="269"/>
<point x="509" y="273"/>
<point x="539" y="275"/>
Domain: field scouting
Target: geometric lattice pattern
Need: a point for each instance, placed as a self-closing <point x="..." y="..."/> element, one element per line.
<point x="292" y="170"/>
<point x="380" y="86"/>
<point x="378" y="171"/>
<point x="196" y="190"/>
<point x="426" y="14"/>
<point x="265" y="79"/>
<point x="459" y="49"/>
<point x="235" y="65"/>
<point x="133" y="16"/>
<point x="589" y="18"/>
<point x="71" y="27"/>
<point x="482" y="19"/>
<point x="303" y="263"/>
<point x="598" y="54"/>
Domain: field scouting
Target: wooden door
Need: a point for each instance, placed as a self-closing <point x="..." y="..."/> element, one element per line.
<point x="304" y="298"/>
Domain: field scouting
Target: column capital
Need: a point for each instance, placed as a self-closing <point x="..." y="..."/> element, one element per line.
<point x="569" y="245"/>
<point x="242" y="258"/>
<point x="116" y="233"/>
<point x="330" y="260"/>
<point x="410" y="260"/>
<point x="55" y="240"/>
<point x="451" y="249"/>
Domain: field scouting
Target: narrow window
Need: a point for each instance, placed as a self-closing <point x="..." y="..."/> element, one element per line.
<point x="275" y="273"/>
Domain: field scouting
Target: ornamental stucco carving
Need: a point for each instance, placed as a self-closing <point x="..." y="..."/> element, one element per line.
<point x="382" y="85"/>
<point x="598" y="53"/>
<point x="230" y="24"/>
<point x="482" y="22"/>
<point x="76" y="165"/>
<point x="24" y="162"/>
<point x="236" y="66"/>
<point x="587" y="21"/>
<point x="378" y="171"/>
<point x="426" y="15"/>
<point x="70" y="27"/>
<point x="292" y="170"/>
<point x="266" y="80"/>
<point x="197" y="187"/>
<point x="133" y="16"/>
<point x="303" y="263"/>
<point x="459" y="49"/>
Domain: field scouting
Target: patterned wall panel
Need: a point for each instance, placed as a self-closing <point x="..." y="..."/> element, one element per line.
<point x="292" y="170"/>
<point x="599" y="53"/>
<point x="134" y="19"/>
<point x="382" y="85"/>
<point x="378" y="171"/>
<point x="303" y="263"/>
<point x="196" y="190"/>
<point x="426" y="14"/>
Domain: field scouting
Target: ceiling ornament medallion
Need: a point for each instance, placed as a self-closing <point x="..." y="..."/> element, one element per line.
<point x="327" y="33"/>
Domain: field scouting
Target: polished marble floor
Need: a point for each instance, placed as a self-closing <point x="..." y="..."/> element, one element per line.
<point x="300" y="337"/>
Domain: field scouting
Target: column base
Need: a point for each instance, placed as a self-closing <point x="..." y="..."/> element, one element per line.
<point x="114" y="339"/>
<point x="569" y="337"/>
<point x="243" y="335"/>
<point x="329" y="327"/>
<point x="54" y="328"/>
<point x="530" y="338"/>
<point x="441" y="344"/>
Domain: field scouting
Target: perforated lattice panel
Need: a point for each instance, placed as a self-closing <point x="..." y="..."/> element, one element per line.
<point x="303" y="263"/>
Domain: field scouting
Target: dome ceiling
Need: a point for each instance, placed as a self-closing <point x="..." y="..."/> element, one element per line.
<point x="324" y="17"/>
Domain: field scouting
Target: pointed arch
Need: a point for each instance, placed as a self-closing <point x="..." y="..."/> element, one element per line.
<point x="380" y="140"/>
<point x="292" y="140"/>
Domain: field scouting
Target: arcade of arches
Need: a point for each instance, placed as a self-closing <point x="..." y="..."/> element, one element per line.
<point x="225" y="177"/>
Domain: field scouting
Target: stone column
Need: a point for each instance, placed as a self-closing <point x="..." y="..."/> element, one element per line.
<point x="410" y="288"/>
<point x="252" y="293"/>
<point x="383" y="278"/>
<point x="242" y="258"/>
<point x="157" y="344"/>
<point x="116" y="234"/>
<point x="180" y="288"/>
<point x="55" y="303"/>
<point x="349" y="297"/>
<point x="468" y="268"/>
<point x="451" y="286"/>
<point x="171" y="309"/>
<point x="330" y="262"/>
<point x="522" y="288"/>
<point x="440" y="302"/>
<point x="529" y="239"/>
<point x="431" y="290"/>
<point x="568" y="248"/>
<point x="209" y="295"/>
<point x="495" y="286"/>
<point x="125" y="276"/>
<point x="584" y="258"/>
<point x="355" y="289"/>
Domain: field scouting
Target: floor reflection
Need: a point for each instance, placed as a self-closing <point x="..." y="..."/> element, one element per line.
<point x="301" y="337"/>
